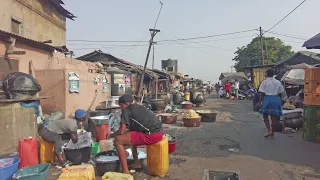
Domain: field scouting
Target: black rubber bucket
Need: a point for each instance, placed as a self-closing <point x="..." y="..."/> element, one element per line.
<point x="106" y="166"/>
<point x="78" y="156"/>
<point x="208" y="117"/>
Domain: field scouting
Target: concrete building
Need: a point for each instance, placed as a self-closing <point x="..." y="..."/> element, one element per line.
<point x="169" y="65"/>
<point x="39" y="20"/>
<point x="24" y="25"/>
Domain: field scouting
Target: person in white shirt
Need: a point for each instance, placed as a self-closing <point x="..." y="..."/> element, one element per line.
<point x="270" y="102"/>
<point x="236" y="88"/>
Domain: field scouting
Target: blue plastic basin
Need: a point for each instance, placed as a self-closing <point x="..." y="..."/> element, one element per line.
<point x="7" y="172"/>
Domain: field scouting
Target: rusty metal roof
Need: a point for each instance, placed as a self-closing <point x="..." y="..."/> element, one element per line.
<point x="30" y="41"/>
<point x="58" y="5"/>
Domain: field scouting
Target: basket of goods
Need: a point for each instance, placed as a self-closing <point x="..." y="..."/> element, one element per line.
<point x="191" y="119"/>
<point x="168" y="118"/>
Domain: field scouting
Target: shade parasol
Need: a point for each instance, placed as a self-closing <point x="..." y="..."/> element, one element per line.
<point x="232" y="78"/>
<point x="312" y="43"/>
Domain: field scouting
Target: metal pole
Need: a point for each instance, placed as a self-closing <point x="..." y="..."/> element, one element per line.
<point x="262" y="53"/>
<point x="153" y="55"/>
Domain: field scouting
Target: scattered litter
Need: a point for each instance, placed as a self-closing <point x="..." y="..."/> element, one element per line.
<point x="233" y="150"/>
<point x="288" y="130"/>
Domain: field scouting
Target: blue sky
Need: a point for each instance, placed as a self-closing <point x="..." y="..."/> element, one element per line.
<point x="127" y="20"/>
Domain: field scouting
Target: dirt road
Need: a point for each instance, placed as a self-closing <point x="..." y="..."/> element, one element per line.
<point x="287" y="157"/>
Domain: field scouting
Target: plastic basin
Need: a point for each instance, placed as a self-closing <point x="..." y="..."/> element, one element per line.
<point x="8" y="171"/>
<point x="6" y="162"/>
<point x="39" y="172"/>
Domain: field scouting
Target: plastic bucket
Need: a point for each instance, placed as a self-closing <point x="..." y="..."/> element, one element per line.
<point x="172" y="146"/>
<point x="7" y="172"/>
<point x="95" y="148"/>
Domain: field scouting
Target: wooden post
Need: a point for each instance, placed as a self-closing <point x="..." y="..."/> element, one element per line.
<point x="33" y="73"/>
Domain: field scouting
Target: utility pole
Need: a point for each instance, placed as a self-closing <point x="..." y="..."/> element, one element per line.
<point x="262" y="53"/>
<point x="231" y="69"/>
<point x="153" y="32"/>
<point x="153" y="54"/>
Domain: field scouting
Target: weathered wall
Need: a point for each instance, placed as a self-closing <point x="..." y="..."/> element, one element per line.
<point x="52" y="73"/>
<point x="16" y="122"/>
<point x="40" y="21"/>
<point x="52" y="84"/>
<point x="55" y="83"/>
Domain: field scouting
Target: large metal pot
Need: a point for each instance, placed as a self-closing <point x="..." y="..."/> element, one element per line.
<point x="207" y="115"/>
<point x="166" y="97"/>
<point x="158" y="104"/>
<point x="293" y="122"/>
<point x="177" y="98"/>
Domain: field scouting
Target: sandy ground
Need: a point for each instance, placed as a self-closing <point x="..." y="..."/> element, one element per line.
<point x="287" y="157"/>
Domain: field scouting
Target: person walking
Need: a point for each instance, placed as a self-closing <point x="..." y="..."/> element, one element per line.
<point x="236" y="88"/>
<point x="270" y="101"/>
<point x="227" y="88"/>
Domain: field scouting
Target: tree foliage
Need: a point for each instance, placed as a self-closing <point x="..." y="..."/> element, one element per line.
<point x="250" y="55"/>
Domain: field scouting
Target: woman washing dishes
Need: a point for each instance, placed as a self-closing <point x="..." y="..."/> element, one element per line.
<point x="270" y="102"/>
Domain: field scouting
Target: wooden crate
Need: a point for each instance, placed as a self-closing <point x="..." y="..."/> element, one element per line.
<point x="311" y="86"/>
<point x="312" y="74"/>
<point x="311" y="99"/>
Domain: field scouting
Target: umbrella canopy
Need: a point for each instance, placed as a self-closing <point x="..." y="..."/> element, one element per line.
<point x="232" y="78"/>
<point x="302" y="66"/>
<point x="313" y="43"/>
<point x="294" y="76"/>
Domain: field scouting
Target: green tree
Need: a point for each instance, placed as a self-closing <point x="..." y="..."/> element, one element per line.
<point x="250" y="55"/>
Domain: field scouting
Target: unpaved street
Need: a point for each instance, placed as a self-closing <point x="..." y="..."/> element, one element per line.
<point x="287" y="157"/>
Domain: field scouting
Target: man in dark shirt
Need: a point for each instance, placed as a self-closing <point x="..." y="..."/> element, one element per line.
<point x="144" y="129"/>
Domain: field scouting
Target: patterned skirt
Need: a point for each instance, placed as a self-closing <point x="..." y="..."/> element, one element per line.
<point x="271" y="105"/>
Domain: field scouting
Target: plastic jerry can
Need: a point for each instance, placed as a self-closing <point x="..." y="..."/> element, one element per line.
<point x="101" y="132"/>
<point x="116" y="176"/>
<point x="46" y="151"/>
<point x="80" y="172"/>
<point x="28" y="151"/>
<point x="158" y="158"/>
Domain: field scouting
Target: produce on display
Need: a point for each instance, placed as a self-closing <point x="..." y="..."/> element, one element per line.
<point x="191" y="114"/>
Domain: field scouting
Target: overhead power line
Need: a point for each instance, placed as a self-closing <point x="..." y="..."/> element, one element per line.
<point x="284" y="35"/>
<point x="285" y="16"/>
<point x="188" y="45"/>
<point x="204" y="37"/>
<point x="165" y="40"/>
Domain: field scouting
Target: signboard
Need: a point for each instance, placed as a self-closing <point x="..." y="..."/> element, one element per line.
<point x="74" y="84"/>
<point x="122" y="88"/>
<point x="118" y="79"/>
<point x="127" y="80"/>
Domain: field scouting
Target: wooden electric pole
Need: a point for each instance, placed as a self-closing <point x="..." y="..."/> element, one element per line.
<point x="261" y="43"/>
<point x="153" y="32"/>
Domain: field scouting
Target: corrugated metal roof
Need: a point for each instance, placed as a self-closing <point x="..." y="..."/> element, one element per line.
<point x="58" y="5"/>
<point x="314" y="56"/>
<point x="30" y="41"/>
